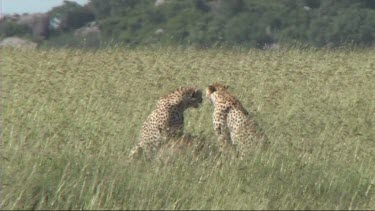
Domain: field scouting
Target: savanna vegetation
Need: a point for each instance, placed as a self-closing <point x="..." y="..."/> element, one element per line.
<point x="208" y="23"/>
<point x="70" y="117"/>
<point x="255" y="23"/>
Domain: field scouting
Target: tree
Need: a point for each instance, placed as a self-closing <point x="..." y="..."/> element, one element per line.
<point x="71" y="15"/>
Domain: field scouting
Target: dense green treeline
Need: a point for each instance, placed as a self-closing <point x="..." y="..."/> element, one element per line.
<point x="249" y="23"/>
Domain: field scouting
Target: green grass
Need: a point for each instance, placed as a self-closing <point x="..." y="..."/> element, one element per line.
<point x="70" y="118"/>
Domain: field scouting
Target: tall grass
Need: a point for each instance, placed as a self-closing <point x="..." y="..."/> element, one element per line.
<point x="70" y="118"/>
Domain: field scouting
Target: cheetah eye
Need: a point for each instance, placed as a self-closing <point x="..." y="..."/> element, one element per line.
<point x="211" y="88"/>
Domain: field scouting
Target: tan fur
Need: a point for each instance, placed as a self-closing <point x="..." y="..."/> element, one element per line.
<point x="166" y="121"/>
<point x="232" y="122"/>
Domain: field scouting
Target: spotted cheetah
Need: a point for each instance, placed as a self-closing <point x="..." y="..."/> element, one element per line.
<point x="166" y="121"/>
<point x="232" y="123"/>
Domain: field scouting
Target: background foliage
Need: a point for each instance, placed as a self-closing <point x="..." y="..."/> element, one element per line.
<point x="255" y="23"/>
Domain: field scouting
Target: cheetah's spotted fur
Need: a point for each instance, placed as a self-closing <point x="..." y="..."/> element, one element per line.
<point x="166" y="121"/>
<point x="232" y="122"/>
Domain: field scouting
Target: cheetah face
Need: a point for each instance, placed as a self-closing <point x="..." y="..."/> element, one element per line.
<point x="209" y="92"/>
<point x="196" y="98"/>
<point x="212" y="89"/>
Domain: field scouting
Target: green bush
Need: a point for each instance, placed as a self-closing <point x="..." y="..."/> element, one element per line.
<point x="72" y="15"/>
<point x="207" y="23"/>
<point x="8" y="29"/>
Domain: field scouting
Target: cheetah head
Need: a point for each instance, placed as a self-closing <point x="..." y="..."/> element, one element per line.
<point x="213" y="88"/>
<point x="193" y="98"/>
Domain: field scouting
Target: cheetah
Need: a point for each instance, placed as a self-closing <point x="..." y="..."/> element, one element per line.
<point x="232" y="123"/>
<point x="166" y="121"/>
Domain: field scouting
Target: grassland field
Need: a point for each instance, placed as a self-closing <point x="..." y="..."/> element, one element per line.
<point x="70" y="117"/>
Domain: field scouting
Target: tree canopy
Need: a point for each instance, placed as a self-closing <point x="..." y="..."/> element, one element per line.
<point x="255" y="23"/>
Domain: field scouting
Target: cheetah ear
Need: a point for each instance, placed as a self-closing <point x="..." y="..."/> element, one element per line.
<point x="195" y="92"/>
<point x="211" y="88"/>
